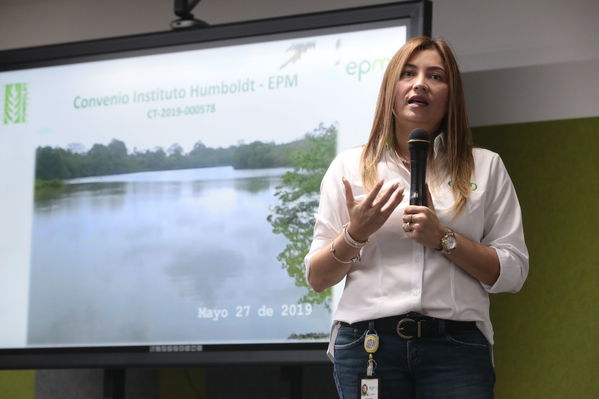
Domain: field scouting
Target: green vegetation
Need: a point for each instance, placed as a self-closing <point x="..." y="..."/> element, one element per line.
<point x="48" y="188"/>
<point x="298" y="202"/>
<point x="114" y="158"/>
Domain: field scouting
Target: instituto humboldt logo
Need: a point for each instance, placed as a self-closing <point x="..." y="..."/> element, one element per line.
<point x="15" y="103"/>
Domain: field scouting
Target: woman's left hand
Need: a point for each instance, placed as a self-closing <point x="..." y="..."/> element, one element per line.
<point x="421" y="223"/>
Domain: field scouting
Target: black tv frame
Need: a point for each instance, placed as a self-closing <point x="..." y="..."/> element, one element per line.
<point x="419" y="14"/>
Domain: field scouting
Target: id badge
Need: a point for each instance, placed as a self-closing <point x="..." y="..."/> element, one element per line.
<point x="369" y="388"/>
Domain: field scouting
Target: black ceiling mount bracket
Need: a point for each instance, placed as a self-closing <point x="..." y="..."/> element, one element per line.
<point x="186" y="19"/>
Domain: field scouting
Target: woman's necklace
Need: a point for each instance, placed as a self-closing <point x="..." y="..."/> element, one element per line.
<point x="403" y="160"/>
<point x="395" y="152"/>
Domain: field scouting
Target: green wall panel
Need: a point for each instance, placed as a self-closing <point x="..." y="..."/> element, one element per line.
<point x="546" y="336"/>
<point x="182" y="383"/>
<point x="17" y="384"/>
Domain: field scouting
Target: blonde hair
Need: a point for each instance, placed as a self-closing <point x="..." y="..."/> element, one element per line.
<point x="455" y="157"/>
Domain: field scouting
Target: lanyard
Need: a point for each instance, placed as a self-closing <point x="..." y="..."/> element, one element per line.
<point x="371" y="345"/>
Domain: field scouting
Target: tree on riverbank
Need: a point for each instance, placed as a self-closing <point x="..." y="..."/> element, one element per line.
<point x="298" y="197"/>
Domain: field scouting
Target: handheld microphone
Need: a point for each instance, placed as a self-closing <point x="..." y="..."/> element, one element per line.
<point x="418" y="142"/>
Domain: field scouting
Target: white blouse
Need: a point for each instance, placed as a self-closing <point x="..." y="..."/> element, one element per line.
<point x="398" y="275"/>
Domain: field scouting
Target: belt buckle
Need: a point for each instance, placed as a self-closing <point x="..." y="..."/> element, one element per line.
<point x="399" y="329"/>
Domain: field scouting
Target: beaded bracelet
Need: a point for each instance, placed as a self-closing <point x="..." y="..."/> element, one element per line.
<point x="355" y="259"/>
<point x="350" y="240"/>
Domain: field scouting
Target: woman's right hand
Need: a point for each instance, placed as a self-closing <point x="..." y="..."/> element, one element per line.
<point x="366" y="217"/>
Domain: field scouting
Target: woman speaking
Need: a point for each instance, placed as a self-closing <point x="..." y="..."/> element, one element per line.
<point x="413" y="320"/>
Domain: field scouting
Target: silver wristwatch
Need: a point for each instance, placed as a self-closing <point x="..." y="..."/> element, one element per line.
<point x="448" y="242"/>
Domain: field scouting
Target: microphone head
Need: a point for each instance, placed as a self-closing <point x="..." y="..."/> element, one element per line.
<point x="418" y="135"/>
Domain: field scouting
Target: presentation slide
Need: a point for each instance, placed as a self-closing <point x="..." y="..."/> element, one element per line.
<point x="170" y="198"/>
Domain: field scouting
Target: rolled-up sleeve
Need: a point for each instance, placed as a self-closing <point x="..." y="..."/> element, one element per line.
<point x="503" y="230"/>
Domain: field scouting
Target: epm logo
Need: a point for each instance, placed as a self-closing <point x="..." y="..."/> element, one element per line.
<point x="15" y="103"/>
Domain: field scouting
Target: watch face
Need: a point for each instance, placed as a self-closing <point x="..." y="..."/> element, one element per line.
<point x="451" y="242"/>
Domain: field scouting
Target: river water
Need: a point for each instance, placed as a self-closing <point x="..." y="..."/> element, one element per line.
<point x="183" y="256"/>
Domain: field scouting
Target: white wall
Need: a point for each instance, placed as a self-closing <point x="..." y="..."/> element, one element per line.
<point x="524" y="60"/>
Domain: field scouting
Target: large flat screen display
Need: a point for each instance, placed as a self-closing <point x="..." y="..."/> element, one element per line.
<point x="165" y="197"/>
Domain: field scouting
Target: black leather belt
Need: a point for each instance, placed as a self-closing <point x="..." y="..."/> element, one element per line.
<point x="415" y="325"/>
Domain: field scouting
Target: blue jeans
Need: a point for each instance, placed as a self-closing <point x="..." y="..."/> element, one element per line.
<point x="456" y="365"/>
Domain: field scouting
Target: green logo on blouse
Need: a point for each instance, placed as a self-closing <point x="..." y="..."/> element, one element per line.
<point x="473" y="185"/>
